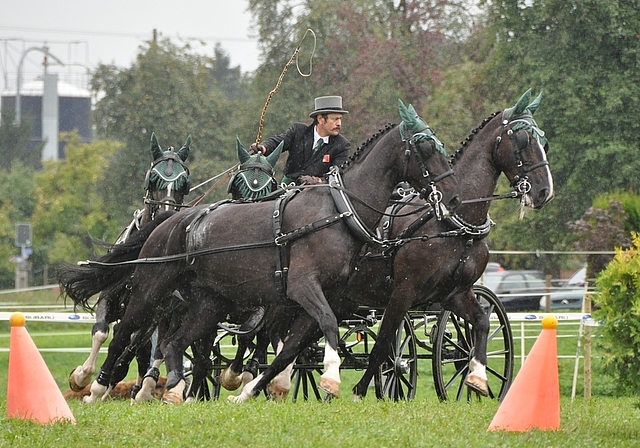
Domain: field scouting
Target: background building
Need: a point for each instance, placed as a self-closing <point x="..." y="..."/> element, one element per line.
<point x="43" y="100"/>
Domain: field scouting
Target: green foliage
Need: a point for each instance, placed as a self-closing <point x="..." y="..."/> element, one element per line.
<point x="14" y="141"/>
<point x="583" y="56"/>
<point x="619" y="310"/>
<point x="16" y="205"/>
<point x="630" y="202"/>
<point x="173" y="92"/>
<point x="371" y="52"/>
<point x="70" y="211"/>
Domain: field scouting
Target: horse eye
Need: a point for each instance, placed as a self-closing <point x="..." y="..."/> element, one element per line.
<point x="546" y="148"/>
<point x="522" y="139"/>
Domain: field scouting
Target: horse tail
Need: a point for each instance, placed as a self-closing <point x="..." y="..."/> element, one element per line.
<point x="81" y="282"/>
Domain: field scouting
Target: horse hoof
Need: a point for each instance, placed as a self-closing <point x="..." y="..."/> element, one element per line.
<point x="356" y="398"/>
<point x="246" y="378"/>
<point x="146" y="392"/>
<point x="332" y="387"/>
<point x="75" y="384"/>
<point x="170" y="397"/>
<point x="235" y="399"/>
<point x="230" y="380"/>
<point x="477" y="384"/>
<point x="277" y="393"/>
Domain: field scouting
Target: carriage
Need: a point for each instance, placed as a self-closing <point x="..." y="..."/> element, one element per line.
<point x="431" y="310"/>
<point x="435" y="337"/>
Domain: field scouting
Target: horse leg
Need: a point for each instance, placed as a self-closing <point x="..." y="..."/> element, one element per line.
<point x="138" y="317"/>
<point x="300" y="336"/>
<point x="148" y="372"/>
<point x="200" y="322"/>
<point x="200" y="367"/>
<point x="383" y="347"/>
<point x="233" y="376"/>
<point x="309" y="295"/>
<point x="279" y="387"/>
<point x="80" y="377"/>
<point x="466" y="306"/>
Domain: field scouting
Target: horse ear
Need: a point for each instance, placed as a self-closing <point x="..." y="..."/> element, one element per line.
<point x="405" y="114"/>
<point x="275" y="155"/>
<point x="156" y="151"/>
<point x="243" y="154"/>
<point x="519" y="108"/>
<point x="184" y="151"/>
<point x="533" y="106"/>
<point x="523" y="102"/>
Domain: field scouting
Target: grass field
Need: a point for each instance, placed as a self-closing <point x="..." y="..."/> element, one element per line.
<point x="603" y="421"/>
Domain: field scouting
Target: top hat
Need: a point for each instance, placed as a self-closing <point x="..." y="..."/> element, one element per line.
<point x="328" y="105"/>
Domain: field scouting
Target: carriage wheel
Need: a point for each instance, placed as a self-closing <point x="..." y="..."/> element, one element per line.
<point x="306" y="374"/>
<point x="208" y="387"/>
<point x="453" y="348"/>
<point x="399" y="373"/>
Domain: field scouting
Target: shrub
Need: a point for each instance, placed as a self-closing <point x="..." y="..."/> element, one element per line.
<point x="619" y="309"/>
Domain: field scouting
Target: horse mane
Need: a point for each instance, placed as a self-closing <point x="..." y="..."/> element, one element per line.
<point x="463" y="145"/>
<point x="364" y="149"/>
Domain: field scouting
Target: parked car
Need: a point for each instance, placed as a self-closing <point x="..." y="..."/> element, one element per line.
<point x="569" y="295"/>
<point x="517" y="290"/>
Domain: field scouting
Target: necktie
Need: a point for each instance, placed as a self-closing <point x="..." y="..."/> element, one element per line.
<point x="319" y="144"/>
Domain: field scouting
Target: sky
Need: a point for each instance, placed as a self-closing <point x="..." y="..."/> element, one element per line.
<point x="84" y="33"/>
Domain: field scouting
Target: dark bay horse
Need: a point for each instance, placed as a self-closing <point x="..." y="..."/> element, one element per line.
<point x="253" y="181"/>
<point x="427" y="261"/>
<point x="289" y="251"/>
<point x="166" y="184"/>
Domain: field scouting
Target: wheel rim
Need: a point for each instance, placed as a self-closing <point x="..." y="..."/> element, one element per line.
<point x="454" y="347"/>
<point x="399" y="374"/>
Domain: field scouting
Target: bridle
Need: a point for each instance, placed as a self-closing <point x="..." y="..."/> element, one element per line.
<point x="525" y="122"/>
<point x="433" y="195"/>
<point x="249" y="174"/>
<point x="169" y="176"/>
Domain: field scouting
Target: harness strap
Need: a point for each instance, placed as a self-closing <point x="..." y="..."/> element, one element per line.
<point x="282" y="254"/>
<point x="345" y="207"/>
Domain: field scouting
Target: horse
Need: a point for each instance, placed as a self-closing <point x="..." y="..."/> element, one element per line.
<point x="166" y="185"/>
<point x="253" y="181"/>
<point x="294" y="250"/>
<point x="426" y="261"/>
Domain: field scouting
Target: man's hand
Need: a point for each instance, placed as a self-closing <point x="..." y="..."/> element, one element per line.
<point x="254" y="149"/>
<point x="310" y="180"/>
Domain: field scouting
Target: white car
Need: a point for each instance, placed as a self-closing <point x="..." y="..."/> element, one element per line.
<point x="570" y="294"/>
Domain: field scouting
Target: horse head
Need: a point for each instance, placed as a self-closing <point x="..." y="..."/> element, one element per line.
<point x="422" y="143"/>
<point x="523" y="154"/>
<point x="254" y="179"/>
<point x="167" y="181"/>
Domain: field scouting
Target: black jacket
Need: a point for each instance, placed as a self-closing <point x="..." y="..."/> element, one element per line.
<point x="298" y="140"/>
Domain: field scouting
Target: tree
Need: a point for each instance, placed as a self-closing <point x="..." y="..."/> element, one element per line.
<point x="372" y="52"/>
<point x="173" y="92"/>
<point x="583" y="56"/>
<point x="14" y="139"/>
<point x="16" y="205"/>
<point x="71" y="219"/>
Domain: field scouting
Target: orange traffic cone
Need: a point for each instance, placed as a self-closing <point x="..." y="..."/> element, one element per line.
<point x="533" y="400"/>
<point x="32" y="393"/>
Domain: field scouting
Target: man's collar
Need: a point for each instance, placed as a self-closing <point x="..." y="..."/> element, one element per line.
<point x="316" y="136"/>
